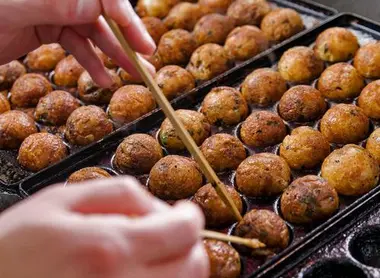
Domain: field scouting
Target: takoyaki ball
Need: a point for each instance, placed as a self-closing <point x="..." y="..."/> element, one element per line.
<point x="213" y="28"/>
<point x="248" y="12"/>
<point x="224" y="106"/>
<point x="86" y="125"/>
<point x="176" y="46"/>
<point x="41" y="150"/>
<point x="137" y="154"/>
<point x="309" y="199"/>
<point x="9" y="73"/>
<point x="302" y="104"/>
<point x="46" y="57"/>
<point x="208" y="61"/>
<point x="344" y="124"/>
<point x="155" y="27"/>
<point x="217" y="214"/>
<point x="282" y="24"/>
<point x="352" y="170"/>
<point x="300" y="65"/>
<point x="263" y="129"/>
<point x="183" y="16"/>
<point x="156" y="8"/>
<point x="4" y="104"/>
<point x="89" y="173"/>
<point x="369" y="100"/>
<point x="175" y="177"/>
<point x="130" y="103"/>
<point x="128" y="79"/>
<point x="156" y="61"/>
<point x="15" y="126"/>
<point x="373" y="144"/>
<point x="336" y="45"/>
<point x="90" y="92"/>
<point x="367" y="60"/>
<point x="67" y="72"/>
<point x="340" y="81"/>
<point x="265" y="226"/>
<point x="174" y="81"/>
<point x="107" y="61"/>
<point x="263" y="87"/>
<point x="263" y="174"/>
<point x="215" y="6"/>
<point x="245" y="42"/>
<point x="28" y="89"/>
<point x="224" y="260"/>
<point x="223" y="152"/>
<point x="195" y="123"/>
<point x="55" y="108"/>
<point x="305" y="148"/>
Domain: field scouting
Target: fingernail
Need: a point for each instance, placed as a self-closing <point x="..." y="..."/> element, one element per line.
<point x="145" y="34"/>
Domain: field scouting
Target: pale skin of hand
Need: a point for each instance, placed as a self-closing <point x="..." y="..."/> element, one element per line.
<point x="83" y="231"/>
<point x="26" y="24"/>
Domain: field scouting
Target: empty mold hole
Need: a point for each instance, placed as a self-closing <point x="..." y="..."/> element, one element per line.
<point x="334" y="268"/>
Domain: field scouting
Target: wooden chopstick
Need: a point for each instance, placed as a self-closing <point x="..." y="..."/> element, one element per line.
<point x="251" y="243"/>
<point x="177" y="124"/>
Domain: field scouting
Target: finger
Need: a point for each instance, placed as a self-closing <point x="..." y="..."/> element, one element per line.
<point x="85" y="53"/>
<point x="194" y="264"/>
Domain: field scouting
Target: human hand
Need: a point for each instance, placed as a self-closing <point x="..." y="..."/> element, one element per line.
<point x="25" y="25"/>
<point x="85" y="232"/>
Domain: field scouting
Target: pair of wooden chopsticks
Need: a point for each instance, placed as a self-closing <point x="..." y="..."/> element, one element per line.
<point x="186" y="139"/>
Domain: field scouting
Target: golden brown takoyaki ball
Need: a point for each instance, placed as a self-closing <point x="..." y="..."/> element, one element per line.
<point x="217" y="214"/>
<point x="174" y="81"/>
<point x="208" y="61"/>
<point x="4" y="104"/>
<point x="90" y="92"/>
<point x="263" y="174"/>
<point x="183" y="16"/>
<point x="281" y="24"/>
<point x="130" y="103"/>
<point x="215" y="6"/>
<point x="176" y="47"/>
<point x="248" y="12"/>
<point x="369" y="100"/>
<point x="137" y="154"/>
<point x="265" y="226"/>
<point x="28" y="89"/>
<point x="15" y="126"/>
<point x="156" y="8"/>
<point x="55" y="108"/>
<point x="224" y="260"/>
<point x="195" y="123"/>
<point x="263" y="87"/>
<point x="302" y="104"/>
<point x="344" y="124"/>
<point x="213" y="28"/>
<point x="156" y="61"/>
<point x="245" y="42"/>
<point x="46" y="57"/>
<point x="351" y="170"/>
<point x="86" y="125"/>
<point x="67" y="72"/>
<point x="367" y="60"/>
<point x="107" y="61"/>
<point x="41" y="150"/>
<point x="9" y="73"/>
<point x="128" y="79"/>
<point x="373" y="144"/>
<point x="340" y="81"/>
<point x="224" y="106"/>
<point x="300" y="65"/>
<point x="263" y="129"/>
<point x="175" y="177"/>
<point x="336" y="45"/>
<point x="309" y="199"/>
<point x="89" y="173"/>
<point x="305" y="148"/>
<point x="155" y="27"/>
<point x="223" y="152"/>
